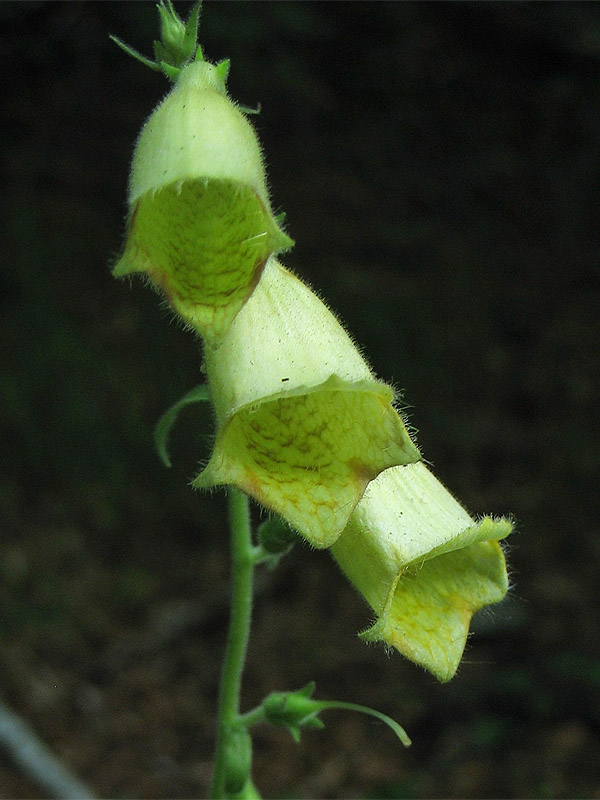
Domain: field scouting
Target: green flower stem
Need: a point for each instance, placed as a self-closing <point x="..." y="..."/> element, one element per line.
<point x="242" y="563"/>
<point x="252" y="717"/>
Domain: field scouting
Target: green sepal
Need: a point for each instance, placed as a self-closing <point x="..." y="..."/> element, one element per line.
<point x="199" y="394"/>
<point x="160" y="53"/>
<point x="223" y="68"/>
<point x="190" y="36"/>
<point x="171" y="72"/>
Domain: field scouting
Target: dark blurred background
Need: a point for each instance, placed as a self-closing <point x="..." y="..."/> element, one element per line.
<point x="439" y="166"/>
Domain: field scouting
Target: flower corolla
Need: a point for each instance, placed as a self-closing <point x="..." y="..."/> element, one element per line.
<point x="423" y="565"/>
<point x="200" y="221"/>
<point x="304" y="425"/>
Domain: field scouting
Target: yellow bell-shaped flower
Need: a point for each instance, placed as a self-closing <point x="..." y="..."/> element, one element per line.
<point x="423" y="565"/>
<point x="200" y="222"/>
<point x="304" y="425"/>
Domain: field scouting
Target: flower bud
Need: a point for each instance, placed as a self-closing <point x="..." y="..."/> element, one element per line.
<point x="423" y="565"/>
<point x="276" y="536"/>
<point x="303" y="423"/>
<point x="200" y="223"/>
<point x="172" y="35"/>
<point x="294" y="710"/>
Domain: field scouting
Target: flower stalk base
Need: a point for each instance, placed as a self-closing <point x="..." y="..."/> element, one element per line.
<point x="242" y="568"/>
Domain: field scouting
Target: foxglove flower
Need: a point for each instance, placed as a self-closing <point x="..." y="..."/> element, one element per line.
<point x="304" y="425"/>
<point x="200" y="223"/>
<point x="423" y="565"/>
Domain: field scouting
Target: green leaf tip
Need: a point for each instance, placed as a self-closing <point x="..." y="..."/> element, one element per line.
<point x="199" y="394"/>
<point x="398" y="729"/>
<point x="134" y="53"/>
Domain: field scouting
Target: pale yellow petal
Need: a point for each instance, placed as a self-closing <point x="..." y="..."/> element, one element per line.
<point x="205" y="244"/>
<point x="423" y="565"/>
<point x="431" y="607"/>
<point x="308" y="454"/>
<point x="196" y="132"/>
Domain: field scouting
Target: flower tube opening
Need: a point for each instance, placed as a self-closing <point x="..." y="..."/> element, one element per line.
<point x="308" y="454"/>
<point x="423" y="565"/>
